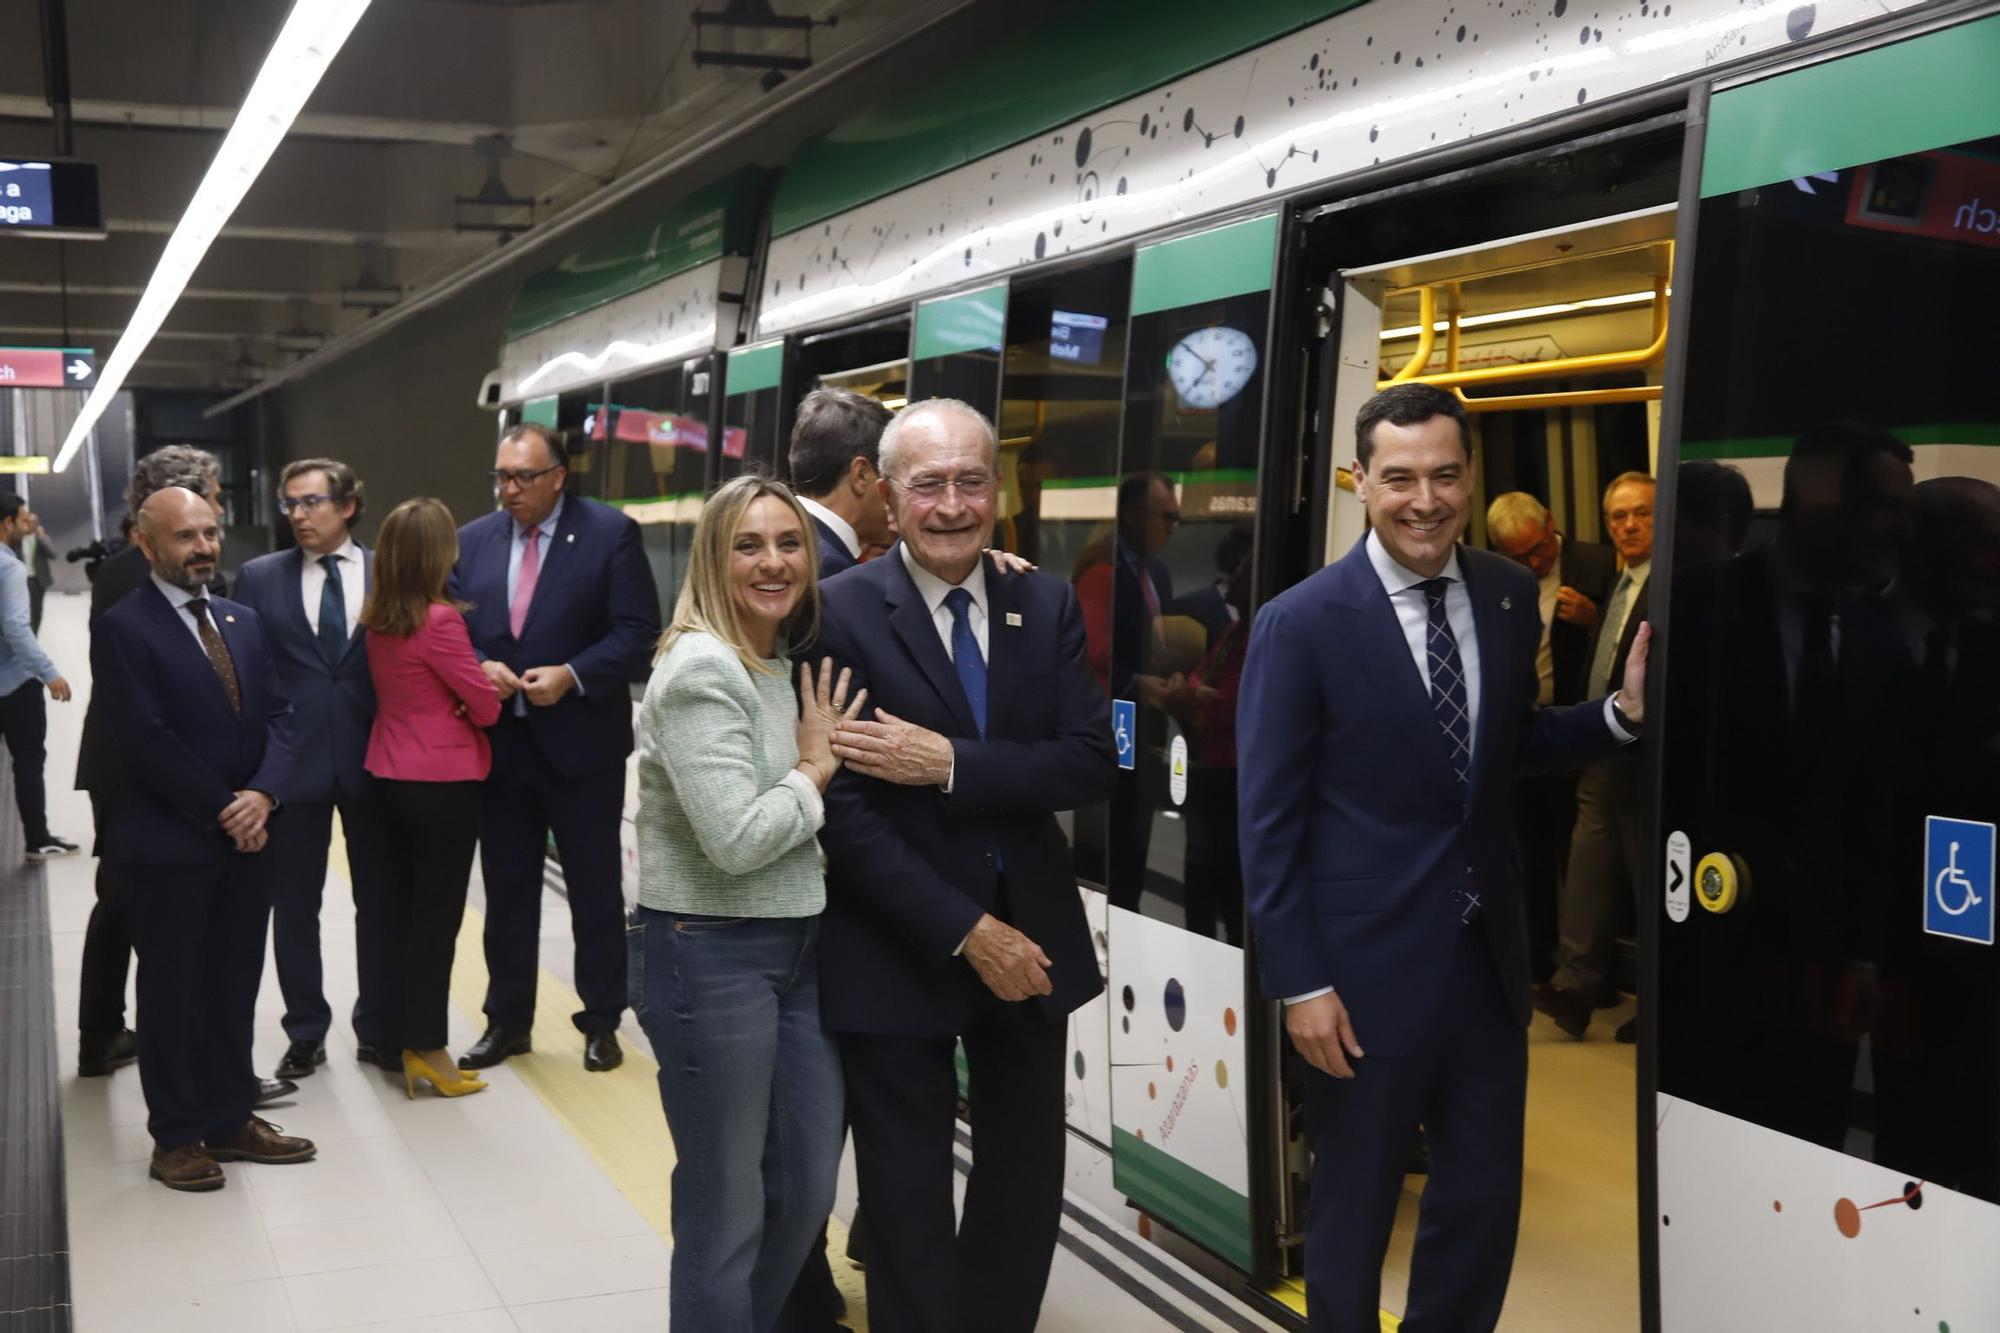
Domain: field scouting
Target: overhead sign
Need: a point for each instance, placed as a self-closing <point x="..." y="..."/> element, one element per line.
<point x="1958" y="879"/>
<point x="47" y="367"/>
<point x="47" y="197"/>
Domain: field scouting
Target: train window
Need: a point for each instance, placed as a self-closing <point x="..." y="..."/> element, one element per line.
<point x="1061" y="395"/>
<point x="650" y="446"/>
<point x="1833" y="699"/>
<point x="575" y="420"/>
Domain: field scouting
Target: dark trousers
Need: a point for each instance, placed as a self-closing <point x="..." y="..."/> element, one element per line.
<point x="24" y="726"/>
<point x="1544" y="815"/>
<point x="298" y="854"/>
<point x="1466" y="1085"/>
<point x="1603" y="875"/>
<point x="107" y="954"/>
<point x="429" y="829"/>
<point x="525" y="801"/>
<point x="902" y="1093"/>
<point x="37" y="593"/>
<point x="199" y="931"/>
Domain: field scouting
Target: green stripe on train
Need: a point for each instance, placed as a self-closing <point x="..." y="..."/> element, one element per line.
<point x="754" y="368"/>
<point x="1207" y="266"/>
<point x="1198" y="1206"/>
<point x="1780" y="446"/>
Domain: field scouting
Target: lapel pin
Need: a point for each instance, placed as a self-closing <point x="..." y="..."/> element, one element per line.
<point x="1506" y="604"/>
<point x="569" y="537"/>
<point x="230" y="619"/>
<point x="1014" y="619"/>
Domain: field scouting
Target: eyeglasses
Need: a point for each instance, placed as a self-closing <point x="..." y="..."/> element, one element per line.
<point x="929" y="490"/>
<point x="292" y="504"/>
<point x="501" y="476"/>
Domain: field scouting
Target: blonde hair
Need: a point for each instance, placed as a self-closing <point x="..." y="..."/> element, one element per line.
<point x="414" y="554"/>
<point x="707" y="605"/>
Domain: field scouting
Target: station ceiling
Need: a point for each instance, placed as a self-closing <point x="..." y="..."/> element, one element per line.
<point x="431" y="104"/>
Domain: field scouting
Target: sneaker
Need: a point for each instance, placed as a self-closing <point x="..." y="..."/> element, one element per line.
<point x="52" y="846"/>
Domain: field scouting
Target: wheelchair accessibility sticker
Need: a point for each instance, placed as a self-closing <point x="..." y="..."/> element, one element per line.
<point x="1124" y="729"/>
<point x="1958" y="879"/>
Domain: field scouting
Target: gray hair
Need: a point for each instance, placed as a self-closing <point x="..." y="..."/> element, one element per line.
<point x="890" y="451"/>
<point x="1628" y="479"/>
<point x="174" y="465"/>
<point x="1515" y="515"/>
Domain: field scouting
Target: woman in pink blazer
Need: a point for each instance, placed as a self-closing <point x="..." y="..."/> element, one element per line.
<point x="430" y="755"/>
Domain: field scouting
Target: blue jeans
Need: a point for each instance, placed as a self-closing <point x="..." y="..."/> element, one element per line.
<point x="752" y="1091"/>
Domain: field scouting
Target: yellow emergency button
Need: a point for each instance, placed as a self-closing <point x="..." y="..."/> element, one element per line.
<point x="1719" y="881"/>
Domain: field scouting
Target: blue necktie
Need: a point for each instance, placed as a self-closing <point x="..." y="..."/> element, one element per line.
<point x="1447" y="672"/>
<point x="965" y="656"/>
<point x="332" y="612"/>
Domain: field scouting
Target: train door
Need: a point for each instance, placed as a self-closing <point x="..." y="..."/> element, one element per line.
<point x="753" y="411"/>
<point x="1824" y="1131"/>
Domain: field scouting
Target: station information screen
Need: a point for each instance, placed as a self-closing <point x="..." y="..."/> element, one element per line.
<point x="48" y="197"/>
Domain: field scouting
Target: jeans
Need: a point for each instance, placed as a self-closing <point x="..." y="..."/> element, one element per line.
<point x="752" y="1091"/>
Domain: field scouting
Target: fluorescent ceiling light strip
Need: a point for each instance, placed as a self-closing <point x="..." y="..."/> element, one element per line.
<point x="312" y="36"/>
<point x="1529" y="312"/>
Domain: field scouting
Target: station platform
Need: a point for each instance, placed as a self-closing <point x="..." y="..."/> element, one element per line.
<point x="541" y="1204"/>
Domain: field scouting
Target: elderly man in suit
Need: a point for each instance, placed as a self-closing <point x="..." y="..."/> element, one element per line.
<point x="952" y="907"/>
<point x="193" y="697"/>
<point x="834" y="440"/>
<point x="1387" y="703"/>
<point x="1604" y="849"/>
<point x="564" y="616"/>
<point x="309" y="599"/>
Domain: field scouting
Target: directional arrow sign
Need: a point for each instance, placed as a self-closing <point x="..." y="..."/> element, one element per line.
<point x="1679" y="850"/>
<point x="47" y="367"/>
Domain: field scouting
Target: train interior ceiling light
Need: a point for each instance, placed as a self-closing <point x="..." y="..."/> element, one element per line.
<point x="312" y="36"/>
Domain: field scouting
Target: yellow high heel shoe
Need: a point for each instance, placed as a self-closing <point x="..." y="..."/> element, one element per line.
<point x="415" y="1068"/>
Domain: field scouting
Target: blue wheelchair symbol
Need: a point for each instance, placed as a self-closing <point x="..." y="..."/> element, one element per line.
<point x="1958" y="879"/>
<point x="1124" y="731"/>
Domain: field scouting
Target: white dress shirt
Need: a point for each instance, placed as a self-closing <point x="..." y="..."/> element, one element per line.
<point x="517" y="546"/>
<point x="933" y="589"/>
<point x="353" y="584"/>
<point x="841" y="527"/>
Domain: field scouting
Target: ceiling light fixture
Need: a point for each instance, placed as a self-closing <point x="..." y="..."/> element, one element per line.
<point x="1529" y="312"/>
<point x="312" y="36"/>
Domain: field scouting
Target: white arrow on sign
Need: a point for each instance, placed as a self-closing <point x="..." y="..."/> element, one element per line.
<point x="79" y="370"/>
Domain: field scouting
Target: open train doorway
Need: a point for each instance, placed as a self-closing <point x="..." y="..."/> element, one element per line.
<point x="1537" y="291"/>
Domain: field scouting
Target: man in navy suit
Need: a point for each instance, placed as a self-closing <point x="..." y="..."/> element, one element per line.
<point x="190" y="690"/>
<point x="834" y="440"/>
<point x="952" y="906"/>
<point x="1388" y="702"/>
<point x="309" y="600"/>
<point x="565" y="614"/>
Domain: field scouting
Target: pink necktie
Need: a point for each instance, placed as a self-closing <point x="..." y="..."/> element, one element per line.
<point x="524" y="583"/>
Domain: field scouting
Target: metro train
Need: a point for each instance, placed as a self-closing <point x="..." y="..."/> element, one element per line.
<point x="1628" y="237"/>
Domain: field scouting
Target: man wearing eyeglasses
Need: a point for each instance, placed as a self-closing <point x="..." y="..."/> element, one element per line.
<point x="310" y="600"/>
<point x="564" y="617"/>
<point x="952" y="911"/>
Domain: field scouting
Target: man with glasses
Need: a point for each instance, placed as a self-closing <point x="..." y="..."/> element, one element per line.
<point x="952" y="910"/>
<point x="310" y="600"/>
<point x="564" y="617"/>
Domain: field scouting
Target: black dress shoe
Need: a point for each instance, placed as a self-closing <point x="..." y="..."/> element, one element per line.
<point x="273" y="1089"/>
<point x="1570" y="1011"/>
<point x="382" y="1057"/>
<point x="301" y="1058"/>
<point x="601" y="1051"/>
<point x="97" y="1061"/>
<point x="494" y="1045"/>
<point x="1628" y="1031"/>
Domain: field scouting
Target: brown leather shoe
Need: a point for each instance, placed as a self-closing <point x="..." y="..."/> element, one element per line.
<point x="261" y="1141"/>
<point x="188" y="1167"/>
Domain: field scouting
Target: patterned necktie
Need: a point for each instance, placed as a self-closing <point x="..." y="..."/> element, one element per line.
<point x="965" y="656"/>
<point x="332" y="612"/>
<point x="1609" y="631"/>
<point x="218" y="653"/>
<point x="1447" y="673"/>
<point x="524" y="583"/>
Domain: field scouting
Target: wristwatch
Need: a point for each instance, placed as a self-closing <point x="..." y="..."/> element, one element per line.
<point x="1635" y="728"/>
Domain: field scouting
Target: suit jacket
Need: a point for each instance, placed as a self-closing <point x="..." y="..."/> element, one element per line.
<point x="596" y="609"/>
<point x="1354" y="833"/>
<point x="1592" y="569"/>
<point x="911" y="869"/>
<point x="332" y="706"/>
<point x="183" y="753"/>
<point x="420" y="681"/>
<point x="122" y="572"/>
<point x="833" y="556"/>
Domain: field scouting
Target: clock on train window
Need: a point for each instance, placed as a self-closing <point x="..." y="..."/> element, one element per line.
<point x="1210" y="366"/>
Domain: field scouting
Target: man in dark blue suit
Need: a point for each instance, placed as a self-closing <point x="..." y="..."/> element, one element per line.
<point x="834" y="439"/>
<point x="952" y="905"/>
<point x="191" y="692"/>
<point x="565" y="614"/>
<point x="309" y="600"/>
<point x="1388" y="702"/>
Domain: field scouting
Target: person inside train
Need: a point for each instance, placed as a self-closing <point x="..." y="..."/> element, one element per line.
<point x="1712" y="511"/>
<point x="724" y="943"/>
<point x="834" y="439"/>
<point x="1573" y="579"/>
<point x="1206" y="710"/>
<point x="25" y="671"/>
<point x="1213" y="606"/>
<point x="952" y="909"/>
<point x="1604" y="853"/>
<point x="428" y="753"/>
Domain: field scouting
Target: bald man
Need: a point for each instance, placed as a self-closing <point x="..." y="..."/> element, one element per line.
<point x="206" y="738"/>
